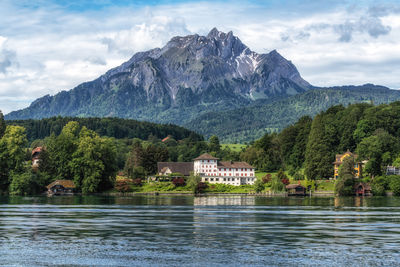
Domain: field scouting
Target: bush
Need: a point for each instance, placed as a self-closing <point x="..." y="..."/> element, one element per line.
<point x="276" y="184"/>
<point x="345" y="186"/>
<point x="178" y="181"/>
<point x="379" y="185"/>
<point x="285" y="181"/>
<point x="23" y="184"/>
<point x="394" y="185"/>
<point x="201" y="187"/>
<point x="298" y="176"/>
<point x="137" y="182"/>
<point x="259" y="185"/>
<point x="267" y="178"/>
<point x="123" y="185"/>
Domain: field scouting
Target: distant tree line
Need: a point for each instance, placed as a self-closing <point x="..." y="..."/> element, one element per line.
<point x="111" y="127"/>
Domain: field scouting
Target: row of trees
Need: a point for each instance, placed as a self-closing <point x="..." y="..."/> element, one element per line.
<point x="310" y="145"/>
<point x="111" y="127"/>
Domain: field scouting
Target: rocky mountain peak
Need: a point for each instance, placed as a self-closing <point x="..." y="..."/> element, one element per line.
<point x="188" y="71"/>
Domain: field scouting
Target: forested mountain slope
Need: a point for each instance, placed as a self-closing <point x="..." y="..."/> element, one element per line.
<point x="249" y="123"/>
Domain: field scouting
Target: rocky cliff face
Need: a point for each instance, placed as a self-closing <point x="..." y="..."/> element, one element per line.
<point x="188" y="75"/>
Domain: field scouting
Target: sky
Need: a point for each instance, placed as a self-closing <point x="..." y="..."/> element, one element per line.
<point x="54" y="45"/>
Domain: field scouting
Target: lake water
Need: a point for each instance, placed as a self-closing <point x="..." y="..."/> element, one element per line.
<point x="201" y="231"/>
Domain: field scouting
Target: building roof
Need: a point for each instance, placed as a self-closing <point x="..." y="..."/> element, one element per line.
<point x="234" y="164"/>
<point x="339" y="156"/>
<point x="37" y="150"/>
<point x="166" y="138"/>
<point x="205" y="156"/>
<point x="293" y="186"/>
<point x="64" y="183"/>
<point x="182" y="167"/>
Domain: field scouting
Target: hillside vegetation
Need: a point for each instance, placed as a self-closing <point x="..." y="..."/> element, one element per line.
<point x="249" y="123"/>
<point x="111" y="127"/>
<point x="308" y="147"/>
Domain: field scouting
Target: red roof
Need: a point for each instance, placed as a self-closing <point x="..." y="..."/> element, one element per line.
<point x="166" y="138"/>
<point x="37" y="150"/>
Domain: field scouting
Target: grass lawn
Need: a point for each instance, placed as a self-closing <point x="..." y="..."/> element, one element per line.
<point x="233" y="147"/>
<point x="325" y="185"/>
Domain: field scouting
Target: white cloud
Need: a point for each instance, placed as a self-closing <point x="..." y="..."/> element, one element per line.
<point x="44" y="50"/>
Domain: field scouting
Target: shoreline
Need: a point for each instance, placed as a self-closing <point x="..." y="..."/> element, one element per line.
<point x="266" y="194"/>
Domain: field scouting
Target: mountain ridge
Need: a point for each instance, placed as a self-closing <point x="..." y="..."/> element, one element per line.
<point x="189" y="71"/>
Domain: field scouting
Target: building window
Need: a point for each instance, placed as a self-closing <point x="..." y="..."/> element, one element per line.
<point x="224" y="179"/>
<point x="216" y="179"/>
<point x="229" y="179"/>
<point x="206" y="179"/>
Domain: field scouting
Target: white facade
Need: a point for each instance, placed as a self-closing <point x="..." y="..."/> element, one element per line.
<point x="233" y="173"/>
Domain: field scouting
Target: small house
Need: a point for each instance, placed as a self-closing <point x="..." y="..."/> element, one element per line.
<point x="339" y="161"/>
<point x="61" y="187"/>
<point x="296" y="190"/>
<point x="362" y="189"/>
<point x="36" y="156"/>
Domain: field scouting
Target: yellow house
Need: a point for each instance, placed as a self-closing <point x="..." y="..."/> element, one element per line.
<point x="339" y="161"/>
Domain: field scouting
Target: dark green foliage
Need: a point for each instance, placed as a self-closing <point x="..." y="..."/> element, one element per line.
<point x="28" y="182"/>
<point x="345" y="183"/>
<point x="214" y="144"/>
<point x="2" y="125"/>
<point x="195" y="184"/>
<point x="379" y="185"/>
<point x="380" y="149"/>
<point x="319" y="154"/>
<point x="276" y="184"/>
<point x="248" y="123"/>
<point x="264" y="154"/>
<point x="259" y="185"/>
<point x="111" y="127"/>
<point x="394" y="184"/>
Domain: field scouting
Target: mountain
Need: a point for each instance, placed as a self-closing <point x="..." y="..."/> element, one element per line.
<point x="189" y="76"/>
<point x="250" y="123"/>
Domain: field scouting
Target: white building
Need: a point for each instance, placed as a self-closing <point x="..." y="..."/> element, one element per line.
<point x="223" y="172"/>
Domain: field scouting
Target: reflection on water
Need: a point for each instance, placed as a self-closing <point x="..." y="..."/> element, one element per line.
<point x="183" y="230"/>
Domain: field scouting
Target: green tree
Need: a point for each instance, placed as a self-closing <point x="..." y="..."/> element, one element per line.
<point x="193" y="182"/>
<point x="94" y="162"/>
<point x="318" y="157"/>
<point x="379" y="149"/>
<point x="12" y="154"/>
<point x="345" y="183"/>
<point x="379" y="185"/>
<point x="135" y="158"/>
<point x="394" y="184"/>
<point x="277" y="185"/>
<point x="2" y="125"/>
<point x="214" y="145"/>
<point x="259" y="185"/>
